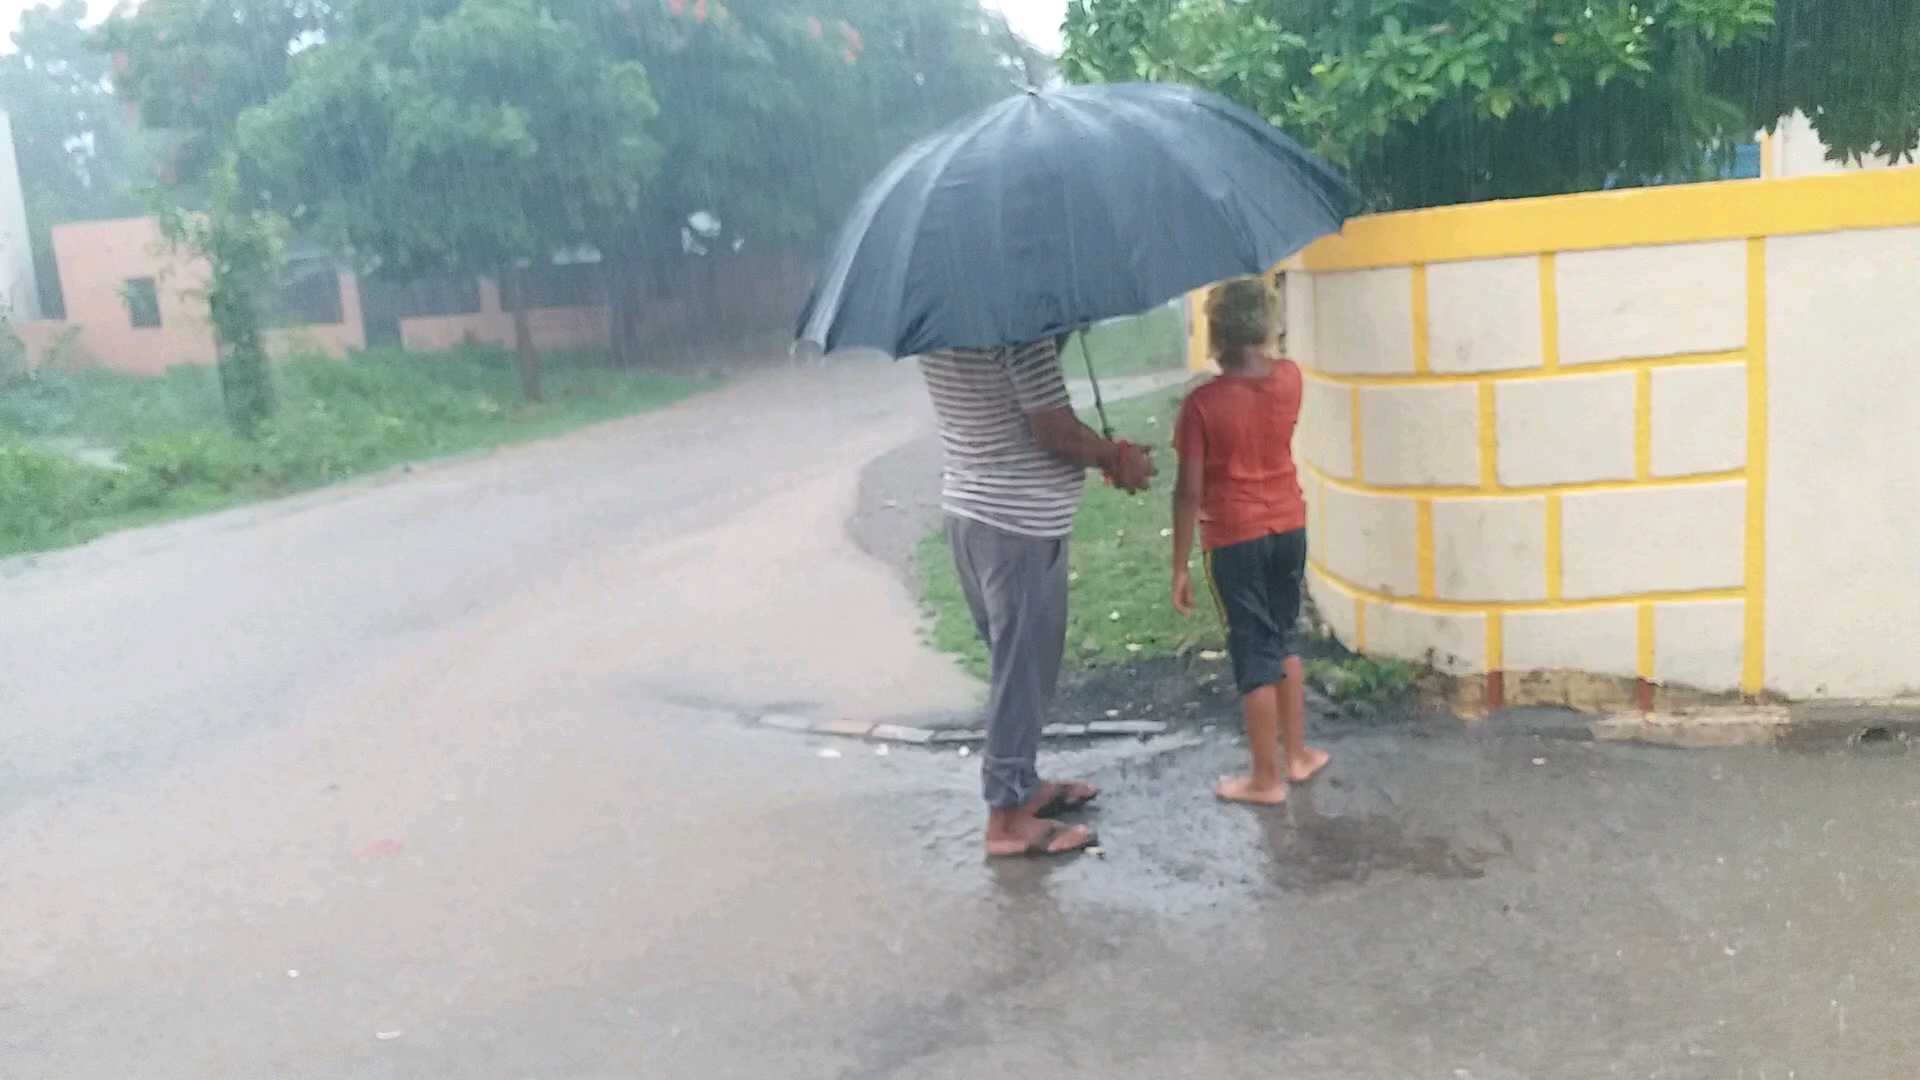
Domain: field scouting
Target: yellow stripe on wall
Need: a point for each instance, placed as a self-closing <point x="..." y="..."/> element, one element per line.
<point x="1753" y="676"/>
<point x="1520" y="491"/>
<point x="1482" y="607"/>
<point x="1489" y="439"/>
<point x="1423" y="545"/>
<point x="1643" y="424"/>
<point x="1496" y="642"/>
<point x="1197" y="356"/>
<point x="1644" y="644"/>
<point x="1359" y="469"/>
<point x="1549" y="312"/>
<point x="1605" y="367"/>
<point x="1679" y="214"/>
<point x="1421" y="361"/>
<point x="1553" y="547"/>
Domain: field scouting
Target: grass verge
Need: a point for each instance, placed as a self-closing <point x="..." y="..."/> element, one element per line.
<point x="1140" y="345"/>
<point x="1118" y="605"/>
<point x="337" y="419"/>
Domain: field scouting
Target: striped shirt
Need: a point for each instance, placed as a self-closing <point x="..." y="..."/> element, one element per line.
<point x="995" y="472"/>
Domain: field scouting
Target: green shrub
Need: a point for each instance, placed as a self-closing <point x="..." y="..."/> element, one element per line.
<point x="210" y="459"/>
<point x="46" y="499"/>
<point x="337" y="418"/>
<point x="1361" y="678"/>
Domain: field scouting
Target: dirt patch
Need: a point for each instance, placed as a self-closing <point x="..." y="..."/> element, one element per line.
<point x="898" y="502"/>
<point x="1191" y="692"/>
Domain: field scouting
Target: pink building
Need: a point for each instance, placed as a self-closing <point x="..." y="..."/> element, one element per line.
<point x="133" y="305"/>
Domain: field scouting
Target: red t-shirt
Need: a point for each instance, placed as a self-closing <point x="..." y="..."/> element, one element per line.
<point x="1242" y="428"/>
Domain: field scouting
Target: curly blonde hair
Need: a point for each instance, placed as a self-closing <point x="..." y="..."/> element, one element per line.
<point x="1239" y="316"/>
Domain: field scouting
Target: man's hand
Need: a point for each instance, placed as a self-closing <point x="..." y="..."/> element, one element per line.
<point x="1183" y="590"/>
<point x="1132" y="468"/>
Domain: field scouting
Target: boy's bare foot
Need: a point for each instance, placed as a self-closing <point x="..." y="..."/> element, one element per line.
<point x="1037" y="836"/>
<point x="1302" y="769"/>
<point x="1243" y="789"/>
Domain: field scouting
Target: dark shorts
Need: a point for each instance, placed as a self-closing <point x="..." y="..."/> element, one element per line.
<point x="1258" y="585"/>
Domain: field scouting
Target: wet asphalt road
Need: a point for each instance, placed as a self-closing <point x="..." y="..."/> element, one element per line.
<point x="446" y="776"/>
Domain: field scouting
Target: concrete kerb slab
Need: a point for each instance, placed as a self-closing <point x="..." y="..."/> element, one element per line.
<point x="925" y="736"/>
<point x="1889" y="726"/>
<point x="1696" y="729"/>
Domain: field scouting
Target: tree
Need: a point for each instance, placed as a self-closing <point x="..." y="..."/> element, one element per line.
<point x="1437" y="101"/>
<point x="79" y="157"/>
<point x="566" y="122"/>
<point x="774" y="112"/>
<point x="243" y="250"/>
<point x="1853" y="66"/>
<point x="191" y="67"/>
<point x="480" y="139"/>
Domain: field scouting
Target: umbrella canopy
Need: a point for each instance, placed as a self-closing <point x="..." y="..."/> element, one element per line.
<point x="1055" y="209"/>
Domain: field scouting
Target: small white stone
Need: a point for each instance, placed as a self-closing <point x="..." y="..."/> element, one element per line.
<point x="1112" y="713"/>
<point x="388" y="1036"/>
<point x="293" y="973"/>
<point x="1113" y="616"/>
<point x="1133" y="646"/>
<point x="1539" y="761"/>
<point x="1164" y="533"/>
<point x="880" y="751"/>
<point x="966" y="751"/>
<point x="829" y="752"/>
<point x="1211" y="655"/>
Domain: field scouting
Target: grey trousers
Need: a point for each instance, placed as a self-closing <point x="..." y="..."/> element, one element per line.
<point x="1016" y="587"/>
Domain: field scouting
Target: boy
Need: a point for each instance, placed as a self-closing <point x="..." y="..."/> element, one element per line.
<point x="1237" y="481"/>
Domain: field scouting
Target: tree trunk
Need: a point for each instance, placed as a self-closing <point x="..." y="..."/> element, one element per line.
<point x="525" y="359"/>
<point x="625" y="305"/>
<point x="246" y="379"/>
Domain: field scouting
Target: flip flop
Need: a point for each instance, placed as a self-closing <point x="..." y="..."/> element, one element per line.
<point x="1042" y="845"/>
<point x="1064" y="800"/>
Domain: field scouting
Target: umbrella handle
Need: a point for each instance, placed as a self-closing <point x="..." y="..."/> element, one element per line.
<point x="1099" y="405"/>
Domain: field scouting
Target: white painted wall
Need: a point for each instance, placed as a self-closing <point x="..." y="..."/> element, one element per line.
<point x="19" y="291"/>
<point x="1797" y="150"/>
<point x="1843" y="486"/>
<point x="1664" y="552"/>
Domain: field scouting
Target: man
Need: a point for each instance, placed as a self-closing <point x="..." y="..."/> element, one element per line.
<point x="1016" y="461"/>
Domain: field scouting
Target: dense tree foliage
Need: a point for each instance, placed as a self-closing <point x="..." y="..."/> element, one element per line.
<point x="1438" y="101"/>
<point x="79" y="156"/>
<point x="473" y="134"/>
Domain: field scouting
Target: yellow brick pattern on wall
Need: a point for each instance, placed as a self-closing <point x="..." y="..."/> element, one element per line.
<point x="1503" y="492"/>
<point x="1533" y="459"/>
<point x="1536" y="431"/>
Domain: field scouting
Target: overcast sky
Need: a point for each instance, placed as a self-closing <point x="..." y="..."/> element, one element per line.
<point x="1036" y="20"/>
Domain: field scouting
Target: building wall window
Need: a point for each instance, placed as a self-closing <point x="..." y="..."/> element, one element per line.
<point x="143" y="301"/>
<point x="309" y="294"/>
<point x="555" y="286"/>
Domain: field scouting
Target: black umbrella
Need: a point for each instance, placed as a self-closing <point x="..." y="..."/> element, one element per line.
<point x="1055" y="209"/>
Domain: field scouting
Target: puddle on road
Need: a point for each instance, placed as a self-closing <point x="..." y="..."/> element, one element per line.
<point x="1170" y="846"/>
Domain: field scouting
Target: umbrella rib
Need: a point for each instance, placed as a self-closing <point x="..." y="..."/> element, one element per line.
<point x="857" y="232"/>
<point x="918" y="211"/>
